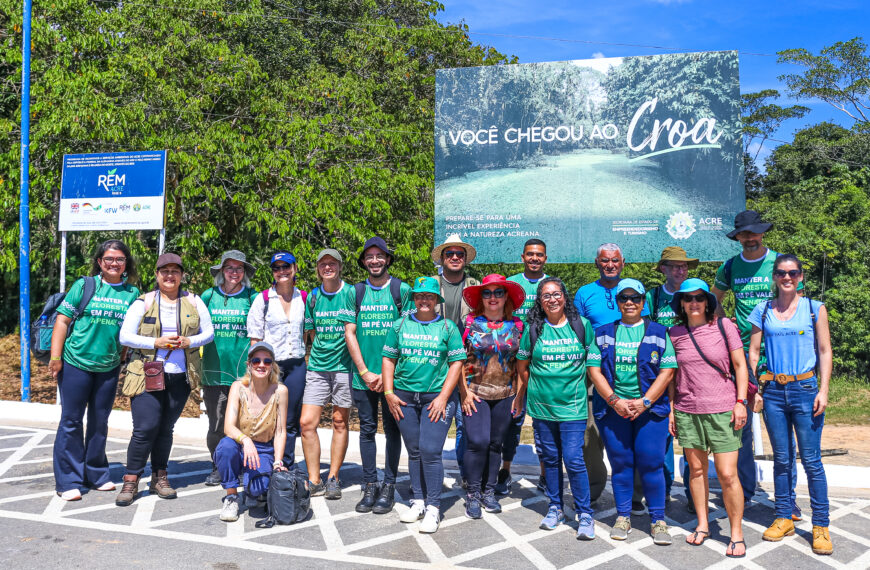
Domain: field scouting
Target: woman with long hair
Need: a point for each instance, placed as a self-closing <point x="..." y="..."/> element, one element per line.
<point x="492" y="339"/>
<point x="708" y="408"/>
<point x="552" y="387"/>
<point x="797" y="342"/>
<point x="85" y="361"/>
<point x="255" y="423"/>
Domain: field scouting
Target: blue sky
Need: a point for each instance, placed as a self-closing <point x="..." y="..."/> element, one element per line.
<point x="595" y="28"/>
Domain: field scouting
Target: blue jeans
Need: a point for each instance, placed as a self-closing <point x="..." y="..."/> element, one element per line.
<point x="80" y="456"/>
<point x="293" y="377"/>
<point x="424" y="440"/>
<point x="366" y="403"/>
<point x="485" y="432"/>
<point x="669" y="465"/>
<point x="459" y="447"/>
<point x="641" y="445"/>
<point x="154" y="416"/>
<point x="230" y="460"/>
<point x="563" y="442"/>
<point x="791" y="407"/>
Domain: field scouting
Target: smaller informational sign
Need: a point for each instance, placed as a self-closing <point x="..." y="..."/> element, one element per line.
<point x="113" y="191"/>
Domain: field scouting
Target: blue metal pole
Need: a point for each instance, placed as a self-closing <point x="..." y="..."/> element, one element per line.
<point x="24" y="210"/>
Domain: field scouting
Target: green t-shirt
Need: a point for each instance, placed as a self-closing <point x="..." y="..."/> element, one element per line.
<point x="751" y="282"/>
<point x="626" y="384"/>
<point x="423" y="352"/>
<point x="531" y="289"/>
<point x="557" y="372"/>
<point x="225" y="358"/>
<point x="323" y="313"/>
<point x="376" y="316"/>
<point x="93" y="343"/>
<point x="661" y="312"/>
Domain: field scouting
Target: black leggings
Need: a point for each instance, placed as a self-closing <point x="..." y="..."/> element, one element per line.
<point x="154" y="417"/>
<point x="485" y="431"/>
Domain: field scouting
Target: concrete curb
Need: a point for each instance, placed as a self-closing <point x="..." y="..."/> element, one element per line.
<point x="192" y="431"/>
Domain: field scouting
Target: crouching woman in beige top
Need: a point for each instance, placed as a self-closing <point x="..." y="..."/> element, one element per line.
<point x="255" y="428"/>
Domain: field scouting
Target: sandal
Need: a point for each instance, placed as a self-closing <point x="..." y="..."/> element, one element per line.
<point x="732" y="545"/>
<point x="694" y="537"/>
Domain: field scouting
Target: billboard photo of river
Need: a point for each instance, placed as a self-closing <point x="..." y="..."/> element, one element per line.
<point x="642" y="151"/>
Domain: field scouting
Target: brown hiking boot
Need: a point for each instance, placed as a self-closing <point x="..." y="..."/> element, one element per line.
<point x="822" y="540"/>
<point x="779" y="529"/>
<point x="160" y="485"/>
<point x="128" y="491"/>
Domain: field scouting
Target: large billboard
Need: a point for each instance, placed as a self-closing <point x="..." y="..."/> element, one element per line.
<point x="642" y="151"/>
<point x="115" y="191"/>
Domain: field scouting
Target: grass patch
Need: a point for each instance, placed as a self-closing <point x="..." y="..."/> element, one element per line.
<point x="848" y="402"/>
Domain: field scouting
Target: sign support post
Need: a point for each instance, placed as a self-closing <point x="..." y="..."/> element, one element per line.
<point x="24" y="210"/>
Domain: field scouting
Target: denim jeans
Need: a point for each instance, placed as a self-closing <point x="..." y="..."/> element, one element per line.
<point x="293" y="377"/>
<point x="791" y="407"/>
<point x="366" y="403"/>
<point x="485" y="434"/>
<point x="229" y="456"/>
<point x="641" y="445"/>
<point x="424" y="440"/>
<point x="563" y="442"/>
<point x="459" y="447"/>
<point x="80" y="456"/>
<point x="154" y="416"/>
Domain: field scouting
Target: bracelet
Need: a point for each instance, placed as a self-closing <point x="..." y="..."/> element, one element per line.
<point x="387" y="392"/>
<point x="361" y="372"/>
<point x="612" y="399"/>
<point x="239" y="438"/>
<point x="56" y="358"/>
<point x="278" y="464"/>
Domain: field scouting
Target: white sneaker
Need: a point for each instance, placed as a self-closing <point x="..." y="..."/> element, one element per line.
<point x="431" y="520"/>
<point x="414" y="513"/>
<point x="230" y="510"/>
<point x="71" y="495"/>
<point x="107" y="486"/>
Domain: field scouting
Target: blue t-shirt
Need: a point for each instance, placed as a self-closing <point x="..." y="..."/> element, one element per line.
<point x="598" y="304"/>
<point x="789" y="344"/>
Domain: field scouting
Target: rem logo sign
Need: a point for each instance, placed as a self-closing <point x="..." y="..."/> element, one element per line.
<point x="111" y="182"/>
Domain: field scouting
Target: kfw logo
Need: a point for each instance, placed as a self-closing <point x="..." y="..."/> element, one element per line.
<point x="112" y="182"/>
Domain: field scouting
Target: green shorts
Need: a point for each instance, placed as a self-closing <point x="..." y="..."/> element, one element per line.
<point x="713" y="433"/>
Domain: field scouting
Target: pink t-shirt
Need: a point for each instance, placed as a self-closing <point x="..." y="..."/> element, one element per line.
<point x="700" y="389"/>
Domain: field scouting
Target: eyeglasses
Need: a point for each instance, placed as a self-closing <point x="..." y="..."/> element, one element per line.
<point x="636" y="298"/>
<point x="169" y="272"/>
<point x="375" y="257"/>
<point x="229" y="269"/>
<point x="489" y="293"/>
<point x="555" y="296"/>
<point x="111" y="260"/>
<point x="698" y="298"/>
<point x="460" y="253"/>
<point x="255" y="361"/>
<point x="282" y="267"/>
<point x="793" y="273"/>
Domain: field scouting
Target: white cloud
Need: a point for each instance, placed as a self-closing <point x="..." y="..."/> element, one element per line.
<point x="598" y="55"/>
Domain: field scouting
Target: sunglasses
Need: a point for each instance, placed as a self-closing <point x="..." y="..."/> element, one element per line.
<point x="698" y="298"/>
<point x="637" y="298"/>
<point x="793" y="273"/>
<point x="266" y="361"/>
<point x="282" y="267"/>
<point x="489" y="293"/>
<point x="455" y="253"/>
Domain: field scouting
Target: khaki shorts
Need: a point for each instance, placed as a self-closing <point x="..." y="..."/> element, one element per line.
<point x="713" y="433"/>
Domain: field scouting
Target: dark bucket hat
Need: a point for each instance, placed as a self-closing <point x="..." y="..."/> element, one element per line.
<point x="379" y="243"/>
<point x="749" y="221"/>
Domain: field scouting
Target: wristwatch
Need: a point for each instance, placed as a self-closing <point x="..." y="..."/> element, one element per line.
<point x="744" y="401"/>
<point x="647" y="403"/>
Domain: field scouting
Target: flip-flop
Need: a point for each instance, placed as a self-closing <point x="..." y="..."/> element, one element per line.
<point x="731" y="546"/>
<point x="694" y="536"/>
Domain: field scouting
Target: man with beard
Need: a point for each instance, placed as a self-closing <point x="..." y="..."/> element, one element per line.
<point x="596" y="301"/>
<point x="453" y="255"/>
<point x="372" y="308"/>
<point x="749" y="275"/>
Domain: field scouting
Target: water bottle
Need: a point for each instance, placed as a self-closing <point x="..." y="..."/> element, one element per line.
<point x="44" y="333"/>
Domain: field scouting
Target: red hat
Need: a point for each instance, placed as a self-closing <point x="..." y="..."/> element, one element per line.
<point x="515" y="290"/>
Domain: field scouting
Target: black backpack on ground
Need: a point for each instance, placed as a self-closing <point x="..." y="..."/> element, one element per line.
<point x="41" y="330"/>
<point x="288" y="500"/>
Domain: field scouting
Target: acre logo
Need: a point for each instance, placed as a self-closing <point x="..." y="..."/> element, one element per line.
<point x="111" y="182"/>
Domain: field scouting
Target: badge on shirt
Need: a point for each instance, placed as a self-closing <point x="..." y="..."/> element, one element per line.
<point x="654" y="357"/>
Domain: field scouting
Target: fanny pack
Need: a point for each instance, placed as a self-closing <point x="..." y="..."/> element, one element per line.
<point x="155" y="379"/>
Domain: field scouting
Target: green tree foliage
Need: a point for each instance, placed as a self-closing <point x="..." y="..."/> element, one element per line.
<point x="762" y="118"/>
<point x="289" y="124"/>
